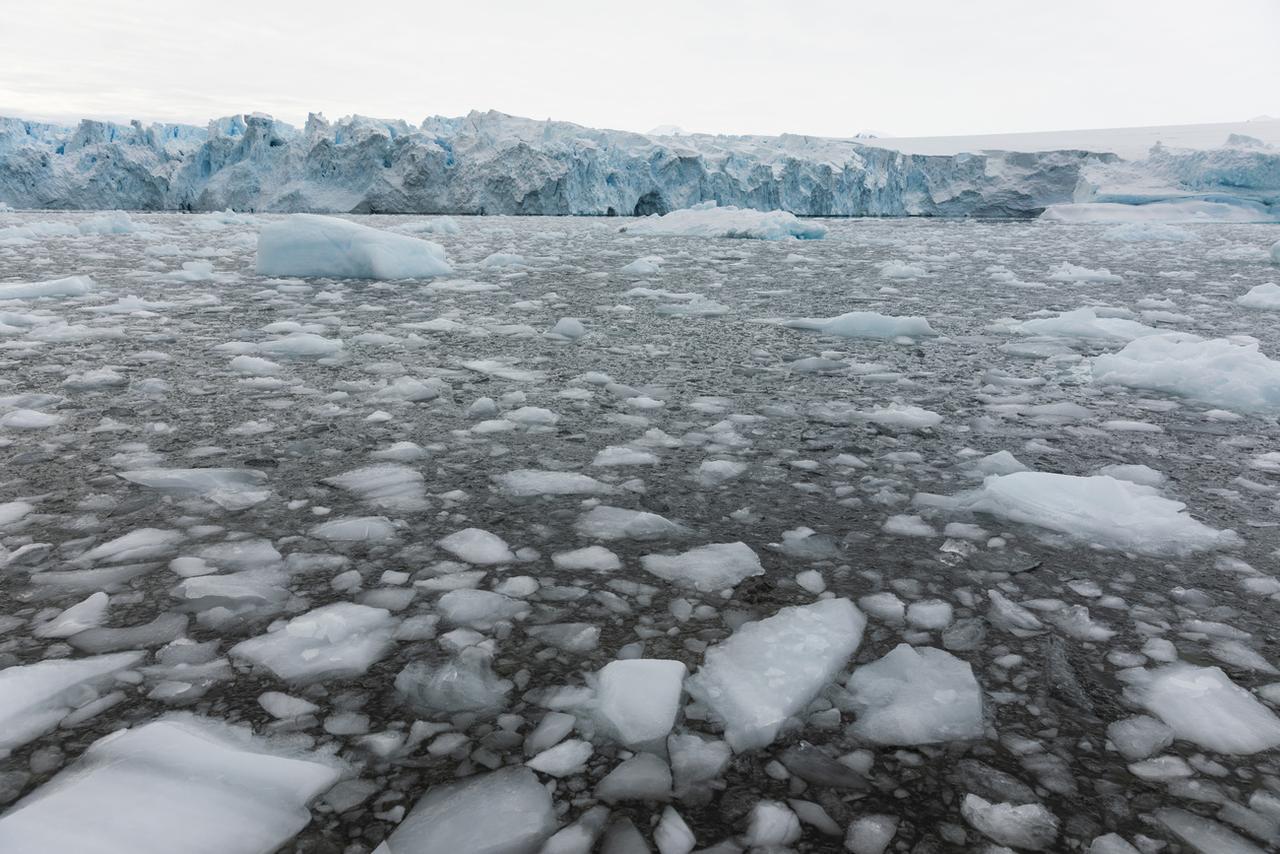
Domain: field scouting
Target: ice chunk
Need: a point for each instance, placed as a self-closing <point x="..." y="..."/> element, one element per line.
<point x="233" y="489"/>
<point x="35" y="697"/>
<point x="311" y="245"/>
<point x="771" y="826"/>
<point x="330" y="642"/>
<point x="80" y="616"/>
<point x="1204" y="835"/>
<point x="638" y="698"/>
<point x="1204" y="706"/>
<point x="1139" y="736"/>
<point x="870" y="834"/>
<point x="1262" y="296"/>
<point x="137" y="545"/>
<point x="179" y="785"/>
<point x="386" y="485"/>
<point x="708" y="220"/>
<point x="770" y="669"/>
<point x="1028" y="826"/>
<point x="1100" y="509"/>
<point x="566" y="758"/>
<point x="464" y="683"/>
<point x="356" y="529"/>
<point x="1216" y="371"/>
<point x="525" y="483"/>
<point x="1084" y="323"/>
<point x="865" y="324"/>
<point x="643" y="777"/>
<point x="72" y="286"/>
<point x="500" y="812"/>
<point x="478" y="547"/>
<point x="706" y="568"/>
<point x="916" y="696"/>
<point x="618" y="523"/>
<point x="479" y="609"/>
<point x="903" y="418"/>
<point x="594" y="558"/>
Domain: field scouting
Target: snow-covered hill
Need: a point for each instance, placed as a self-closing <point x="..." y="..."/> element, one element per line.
<point x="491" y="163"/>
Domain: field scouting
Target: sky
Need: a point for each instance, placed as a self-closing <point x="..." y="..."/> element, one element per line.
<point x="920" y="68"/>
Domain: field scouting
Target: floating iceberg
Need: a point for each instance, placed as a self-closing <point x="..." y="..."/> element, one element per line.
<point x="709" y="220"/>
<point x="72" y="286"/>
<point x="1215" y="371"/>
<point x="1100" y="509"/>
<point x="865" y="324"/>
<point x="1262" y="296"/>
<point x="312" y="245"/>
<point x="1084" y="323"/>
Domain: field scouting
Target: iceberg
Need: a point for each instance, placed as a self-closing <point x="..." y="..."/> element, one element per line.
<point x="709" y="220"/>
<point x="1215" y="371"/>
<point x="313" y="245"/>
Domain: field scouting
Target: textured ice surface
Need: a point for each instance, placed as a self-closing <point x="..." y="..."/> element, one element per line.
<point x="1099" y="509"/>
<point x="499" y="812"/>
<point x="311" y="245"/>
<point x="706" y="568"/>
<point x="770" y="669"/>
<point x="637" y="699"/>
<point x="35" y="697"/>
<point x="1203" y="706"/>
<point x="916" y="696"/>
<point x="180" y="785"/>
<point x="1218" y="372"/>
<point x="865" y="324"/>
<point x="336" y="640"/>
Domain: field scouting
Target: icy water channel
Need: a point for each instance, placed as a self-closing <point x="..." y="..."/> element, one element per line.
<point x="731" y="567"/>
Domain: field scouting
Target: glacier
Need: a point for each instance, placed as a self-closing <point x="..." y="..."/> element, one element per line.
<point x="492" y="163"/>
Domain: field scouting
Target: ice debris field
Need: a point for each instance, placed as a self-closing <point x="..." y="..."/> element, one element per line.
<point x="720" y="530"/>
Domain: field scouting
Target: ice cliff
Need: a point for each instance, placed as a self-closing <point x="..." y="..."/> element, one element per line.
<point x="491" y="163"/>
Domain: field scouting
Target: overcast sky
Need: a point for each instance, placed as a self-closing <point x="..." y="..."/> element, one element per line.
<point x="926" y="67"/>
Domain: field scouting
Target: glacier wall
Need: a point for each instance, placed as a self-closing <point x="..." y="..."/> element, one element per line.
<point x="491" y="163"/>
